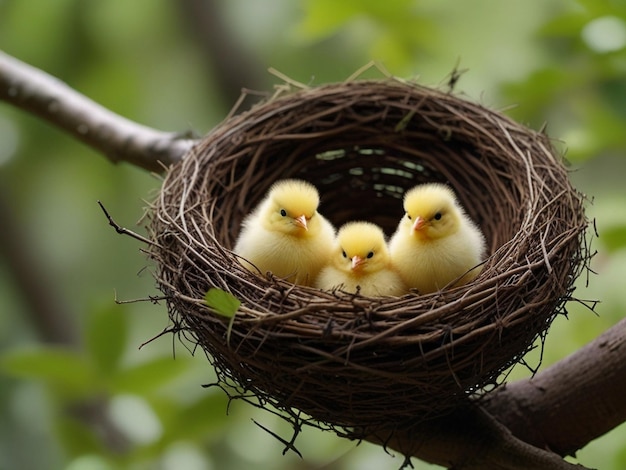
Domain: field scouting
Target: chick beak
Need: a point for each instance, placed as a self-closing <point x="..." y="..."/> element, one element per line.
<point x="356" y="262"/>
<point x="301" y="221"/>
<point x="418" y="224"/>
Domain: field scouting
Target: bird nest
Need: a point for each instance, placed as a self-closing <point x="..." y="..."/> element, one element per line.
<point x="343" y="361"/>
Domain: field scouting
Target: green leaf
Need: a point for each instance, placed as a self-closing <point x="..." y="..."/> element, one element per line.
<point x="224" y="303"/>
<point x="59" y="367"/>
<point x="147" y="377"/>
<point x="106" y="336"/>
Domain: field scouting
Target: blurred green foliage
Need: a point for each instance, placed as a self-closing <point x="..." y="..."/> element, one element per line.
<point x="560" y="62"/>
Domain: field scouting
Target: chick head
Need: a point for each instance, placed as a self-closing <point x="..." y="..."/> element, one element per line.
<point x="431" y="212"/>
<point x="361" y="248"/>
<point x="292" y="207"/>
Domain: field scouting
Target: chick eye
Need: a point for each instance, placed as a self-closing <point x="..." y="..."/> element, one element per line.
<point x="343" y="253"/>
<point x="408" y="216"/>
<point x="283" y="212"/>
<point x="370" y="254"/>
<point x="438" y="216"/>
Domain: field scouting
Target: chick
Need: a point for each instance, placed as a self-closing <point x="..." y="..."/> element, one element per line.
<point x="360" y="260"/>
<point x="286" y="235"/>
<point x="435" y="242"/>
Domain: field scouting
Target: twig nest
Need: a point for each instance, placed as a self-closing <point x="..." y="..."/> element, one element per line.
<point x="351" y="363"/>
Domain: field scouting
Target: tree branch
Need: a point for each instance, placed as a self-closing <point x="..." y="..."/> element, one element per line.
<point x="571" y="403"/>
<point x="470" y="439"/>
<point x="118" y="138"/>
<point x="561" y="409"/>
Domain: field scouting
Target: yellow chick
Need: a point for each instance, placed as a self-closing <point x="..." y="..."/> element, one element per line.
<point x="286" y="235"/>
<point x="435" y="242"/>
<point x="360" y="260"/>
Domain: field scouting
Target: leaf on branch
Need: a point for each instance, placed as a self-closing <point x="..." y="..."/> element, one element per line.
<point x="224" y="304"/>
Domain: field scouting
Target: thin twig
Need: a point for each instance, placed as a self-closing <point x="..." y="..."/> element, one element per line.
<point x="124" y="231"/>
<point x="288" y="445"/>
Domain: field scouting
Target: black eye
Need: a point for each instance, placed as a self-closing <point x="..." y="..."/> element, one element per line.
<point x="283" y="212"/>
<point x="370" y="254"/>
<point x="344" y="254"/>
<point x="408" y="216"/>
<point x="438" y="216"/>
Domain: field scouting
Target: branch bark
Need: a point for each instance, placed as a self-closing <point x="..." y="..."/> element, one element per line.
<point x="471" y="439"/>
<point x="572" y="402"/>
<point x="530" y="423"/>
<point x="118" y="138"/>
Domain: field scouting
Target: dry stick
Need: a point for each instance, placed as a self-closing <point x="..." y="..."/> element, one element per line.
<point x="124" y="231"/>
<point x="118" y="138"/>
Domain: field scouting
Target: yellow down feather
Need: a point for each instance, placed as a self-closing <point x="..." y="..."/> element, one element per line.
<point x="435" y="243"/>
<point x="360" y="262"/>
<point x="285" y="234"/>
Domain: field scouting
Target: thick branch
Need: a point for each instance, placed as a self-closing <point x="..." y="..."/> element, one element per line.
<point x="471" y="439"/>
<point x="562" y="409"/>
<point x="118" y="138"/>
<point x="572" y="402"/>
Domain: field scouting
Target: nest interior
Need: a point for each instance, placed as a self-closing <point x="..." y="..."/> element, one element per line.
<point x="349" y="362"/>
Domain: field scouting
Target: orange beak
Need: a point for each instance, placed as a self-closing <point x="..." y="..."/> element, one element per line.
<point x="356" y="261"/>
<point x="418" y="224"/>
<point x="301" y="221"/>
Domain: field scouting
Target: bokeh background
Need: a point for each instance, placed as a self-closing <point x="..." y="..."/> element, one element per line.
<point x="77" y="392"/>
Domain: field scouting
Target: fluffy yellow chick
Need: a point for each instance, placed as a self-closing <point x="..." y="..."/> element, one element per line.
<point x="286" y="235"/>
<point x="360" y="260"/>
<point x="435" y="242"/>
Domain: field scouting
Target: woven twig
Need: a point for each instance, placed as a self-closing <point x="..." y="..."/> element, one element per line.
<point x="351" y="363"/>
